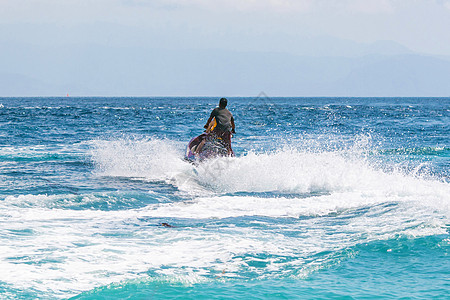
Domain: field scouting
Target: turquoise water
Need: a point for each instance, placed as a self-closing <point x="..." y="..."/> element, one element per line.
<point x="326" y="198"/>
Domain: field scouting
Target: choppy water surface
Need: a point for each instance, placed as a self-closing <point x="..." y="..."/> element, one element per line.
<point x="326" y="198"/>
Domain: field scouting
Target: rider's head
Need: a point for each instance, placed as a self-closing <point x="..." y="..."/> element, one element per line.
<point x="223" y="103"/>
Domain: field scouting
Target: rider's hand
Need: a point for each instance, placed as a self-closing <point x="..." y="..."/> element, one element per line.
<point x="233" y="131"/>
<point x="206" y="126"/>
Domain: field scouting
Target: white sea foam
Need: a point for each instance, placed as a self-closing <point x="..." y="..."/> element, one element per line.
<point x="285" y="171"/>
<point x="37" y="151"/>
<point x="70" y="251"/>
<point x="330" y="200"/>
<point x="66" y="201"/>
<point x="149" y="158"/>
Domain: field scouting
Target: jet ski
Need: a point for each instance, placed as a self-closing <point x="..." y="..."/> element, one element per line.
<point x="206" y="145"/>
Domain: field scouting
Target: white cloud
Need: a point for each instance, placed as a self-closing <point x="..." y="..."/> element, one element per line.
<point x="447" y="4"/>
<point x="110" y="10"/>
<point x="279" y="6"/>
<point x="371" y="6"/>
<point x="419" y="24"/>
<point x="229" y="5"/>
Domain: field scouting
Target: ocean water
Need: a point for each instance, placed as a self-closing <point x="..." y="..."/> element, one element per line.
<point x="336" y="198"/>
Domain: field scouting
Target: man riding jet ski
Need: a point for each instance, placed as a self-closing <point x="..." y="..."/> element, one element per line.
<point x="216" y="141"/>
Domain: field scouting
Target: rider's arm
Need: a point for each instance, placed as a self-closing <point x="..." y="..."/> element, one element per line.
<point x="207" y="123"/>
<point x="233" y="127"/>
<point x="213" y="114"/>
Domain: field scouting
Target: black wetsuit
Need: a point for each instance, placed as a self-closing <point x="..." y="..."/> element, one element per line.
<point x="223" y="128"/>
<point x="223" y="118"/>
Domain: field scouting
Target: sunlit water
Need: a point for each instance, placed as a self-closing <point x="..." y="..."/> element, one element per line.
<point x="326" y="198"/>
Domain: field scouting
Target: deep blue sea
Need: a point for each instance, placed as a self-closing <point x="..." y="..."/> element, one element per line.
<point x="327" y="198"/>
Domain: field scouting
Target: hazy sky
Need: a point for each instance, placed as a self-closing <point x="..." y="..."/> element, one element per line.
<point x="421" y="25"/>
<point x="225" y="47"/>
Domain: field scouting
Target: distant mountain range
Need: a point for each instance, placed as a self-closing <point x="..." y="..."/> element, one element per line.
<point x="380" y="69"/>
